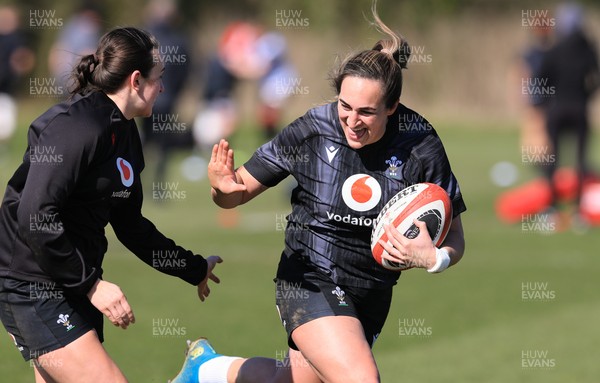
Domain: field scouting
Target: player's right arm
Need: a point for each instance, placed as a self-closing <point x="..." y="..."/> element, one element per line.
<point x="230" y="187"/>
<point x="266" y="168"/>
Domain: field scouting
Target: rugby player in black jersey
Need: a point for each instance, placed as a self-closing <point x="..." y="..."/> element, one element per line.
<point x="81" y="171"/>
<point x="349" y="158"/>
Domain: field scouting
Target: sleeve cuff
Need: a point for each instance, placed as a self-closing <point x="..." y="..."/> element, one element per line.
<point x="83" y="287"/>
<point x="195" y="271"/>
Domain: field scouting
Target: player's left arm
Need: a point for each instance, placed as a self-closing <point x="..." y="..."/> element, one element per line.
<point x="454" y="243"/>
<point x="420" y="252"/>
<point x="436" y="169"/>
<point x="425" y="255"/>
<point x="142" y="238"/>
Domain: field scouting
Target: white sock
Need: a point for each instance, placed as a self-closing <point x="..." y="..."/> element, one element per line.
<point x="215" y="370"/>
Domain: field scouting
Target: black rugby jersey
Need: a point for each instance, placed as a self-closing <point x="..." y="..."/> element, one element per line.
<point x="80" y="172"/>
<point x="341" y="190"/>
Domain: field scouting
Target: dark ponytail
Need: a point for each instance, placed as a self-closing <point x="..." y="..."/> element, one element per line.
<point x="120" y="52"/>
<point x="384" y="63"/>
<point x="82" y="73"/>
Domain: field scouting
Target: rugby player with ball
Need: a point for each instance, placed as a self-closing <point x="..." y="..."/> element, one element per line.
<point x="360" y="152"/>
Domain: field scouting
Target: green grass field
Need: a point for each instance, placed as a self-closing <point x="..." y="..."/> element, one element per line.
<point x="469" y="324"/>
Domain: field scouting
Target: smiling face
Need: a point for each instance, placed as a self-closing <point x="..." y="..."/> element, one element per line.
<point x="362" y="111"/>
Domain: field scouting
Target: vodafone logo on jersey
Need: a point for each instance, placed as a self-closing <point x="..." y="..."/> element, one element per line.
<point x="126" y="171"/>
<point x="361" y="192"/>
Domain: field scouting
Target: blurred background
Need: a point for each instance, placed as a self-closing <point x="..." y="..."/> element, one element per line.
<point x="521" y="306"/>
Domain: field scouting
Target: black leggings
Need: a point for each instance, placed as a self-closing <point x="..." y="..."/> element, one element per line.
<point x="559" y="121"/>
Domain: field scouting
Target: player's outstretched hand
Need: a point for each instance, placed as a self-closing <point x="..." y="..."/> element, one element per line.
<point x="110" y="301"/>
<point x="418" y="252"/>
<point x="203" y="289"/>
<point x="221" y="170"/>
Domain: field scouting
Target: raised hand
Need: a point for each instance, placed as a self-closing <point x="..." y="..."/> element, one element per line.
<point x="221" y="171"/>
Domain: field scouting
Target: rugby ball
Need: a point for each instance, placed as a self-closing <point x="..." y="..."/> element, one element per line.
<point x="423" y="201"/>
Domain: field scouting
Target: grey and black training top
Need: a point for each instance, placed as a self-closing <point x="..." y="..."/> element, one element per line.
<point x="341" y="190"/>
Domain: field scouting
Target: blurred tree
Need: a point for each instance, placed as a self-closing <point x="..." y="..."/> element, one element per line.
<point x="345" y="18"/>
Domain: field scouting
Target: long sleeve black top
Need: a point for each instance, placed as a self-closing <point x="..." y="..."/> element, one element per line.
<point x="80" y="172"/>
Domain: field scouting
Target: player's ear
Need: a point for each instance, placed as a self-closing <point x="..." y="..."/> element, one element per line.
<point x="134" y="79"/>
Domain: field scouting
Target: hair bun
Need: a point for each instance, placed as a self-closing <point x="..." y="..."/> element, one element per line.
<point x="399" y="51"/>
<point x="403" y="54"/>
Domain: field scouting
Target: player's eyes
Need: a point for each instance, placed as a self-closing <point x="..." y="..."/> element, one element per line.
<point x="346" y="106"/>
<point x="362" y="112"/>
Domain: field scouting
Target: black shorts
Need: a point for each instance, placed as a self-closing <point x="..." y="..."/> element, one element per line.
<point x="40" y="317"/>
<point x="311" y="294"/>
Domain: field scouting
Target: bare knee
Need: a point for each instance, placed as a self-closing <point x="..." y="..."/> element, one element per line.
<point x="353" y="376"/>
<point x="72" y="363"/>
<point x="339" y="371"/>
<point x="361" y="379"/>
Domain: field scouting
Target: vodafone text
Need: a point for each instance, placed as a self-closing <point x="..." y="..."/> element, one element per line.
<point x="358" y="221"/>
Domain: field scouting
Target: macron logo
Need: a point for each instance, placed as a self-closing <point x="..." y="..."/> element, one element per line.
<point x="331" y="152"/>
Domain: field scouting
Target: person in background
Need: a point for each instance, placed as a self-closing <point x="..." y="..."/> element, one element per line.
<point x="16" y="60"/>
<point x="533" y="131"/>
<point x="165" y="129"/>
<point x="246" y="52"/>
<point x="78" y="37"/>
<point x="570" y="68"/>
